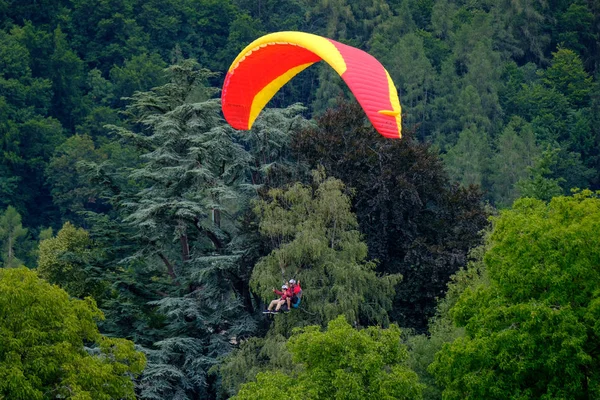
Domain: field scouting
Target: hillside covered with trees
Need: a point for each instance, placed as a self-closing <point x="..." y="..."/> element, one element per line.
<point x="142" y="236"/>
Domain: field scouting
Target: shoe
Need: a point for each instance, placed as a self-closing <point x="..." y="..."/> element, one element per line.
<point x="275" y="312"/>
<point x="267" y="312"/>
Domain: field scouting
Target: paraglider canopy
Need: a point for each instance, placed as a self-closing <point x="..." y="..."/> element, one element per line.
<point x="269" y="62"/>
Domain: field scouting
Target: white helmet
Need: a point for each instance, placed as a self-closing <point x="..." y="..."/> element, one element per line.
<point x="293" y="281"/>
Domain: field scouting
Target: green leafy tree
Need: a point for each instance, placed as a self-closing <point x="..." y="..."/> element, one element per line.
<point x="200" y="28"/>
<point x="67" y="76"/>
<point x="423" y="348"/>
<point x="532" y="330"/>
<point x="11" y="231"/>
<point x="330" y="92"/>
<point x="556" y="103"/>
<point x="527" y="28"/>
<point x="483" y="70"/>
<point x="581" y="137"/>
<point x="466" y="92"/>
<point x="67" y="260"/>
<point x="274" y="15"/>
<point x="43" y="339"/>
<point x="243" y="30"/>
<point x="139" y="73"/>
<point x="347" y="21"/>
<point x="341" y="362"/>
<point x="470" y="109"/>
<point x="257" y="354"/>
<point x="546" y="108"/>
<point x="45" y="12"/>
<point x="576" y="29"/>
<point x="442" y="21"/>
<point x="317" y="242"/>
<point x="106" y="34"/>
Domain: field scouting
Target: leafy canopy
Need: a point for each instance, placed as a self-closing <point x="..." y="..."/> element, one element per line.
<point x="532" y="332"/>
<point x="341" y="363"/>
<point x="42" y="339"/>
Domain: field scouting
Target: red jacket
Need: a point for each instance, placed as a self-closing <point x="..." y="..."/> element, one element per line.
<point x="296" y="289"/>
<point x="284" y="295"/>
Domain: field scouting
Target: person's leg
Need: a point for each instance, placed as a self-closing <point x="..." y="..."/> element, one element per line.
<point x="279" y="304"/>
<point x="273" y="304"/>
<point x="289" y="303"/>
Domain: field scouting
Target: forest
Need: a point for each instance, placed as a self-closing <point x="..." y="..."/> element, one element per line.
<point x="141" y="236"/>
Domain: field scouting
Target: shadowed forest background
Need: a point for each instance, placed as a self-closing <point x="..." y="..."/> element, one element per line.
<point x="459" y="262"/>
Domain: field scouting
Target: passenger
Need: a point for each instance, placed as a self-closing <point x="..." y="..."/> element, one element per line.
<point x="296" y="294"/>
<point x="277" y="303"/>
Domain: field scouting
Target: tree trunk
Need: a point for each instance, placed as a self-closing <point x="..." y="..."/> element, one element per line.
<point x="216" y="217"/>
<point x="10" y="250"/>
<point x="170" y="269"/>
<point x="185" y="248"/>
<point x="213" y="238"/>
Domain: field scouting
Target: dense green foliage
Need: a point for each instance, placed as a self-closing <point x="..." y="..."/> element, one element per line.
<point x="465" y="72"/>
<point x="120" y="180"/>
<point x="341" y="363"/>
<point x="42" y="339"/>
<point x="532" y="331"/>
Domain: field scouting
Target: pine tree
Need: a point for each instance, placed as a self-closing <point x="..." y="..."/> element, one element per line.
<point x="413" y="73"/>
<point x="567" y="76"/>
<point x="11" y="231"/>
<point x="468" y="160"/>
<point x="185" y="207"/>
<point x="540" y="184"/>
<point x="190" y="189"/>
<point x="516" y="151"/>
<point x="71" y="192"/>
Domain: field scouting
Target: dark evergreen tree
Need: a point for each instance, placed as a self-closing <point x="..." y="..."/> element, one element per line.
<point x="27" y="135"/>
<point x="415" y="221"/>
<point x="184" y="216"/>
<point x="183" y="249"/>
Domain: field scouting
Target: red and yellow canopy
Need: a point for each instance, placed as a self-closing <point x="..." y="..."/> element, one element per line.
<point x="269" y="62"/>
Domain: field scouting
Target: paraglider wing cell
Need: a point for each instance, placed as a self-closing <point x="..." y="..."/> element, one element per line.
<point x="269" y="62"/>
